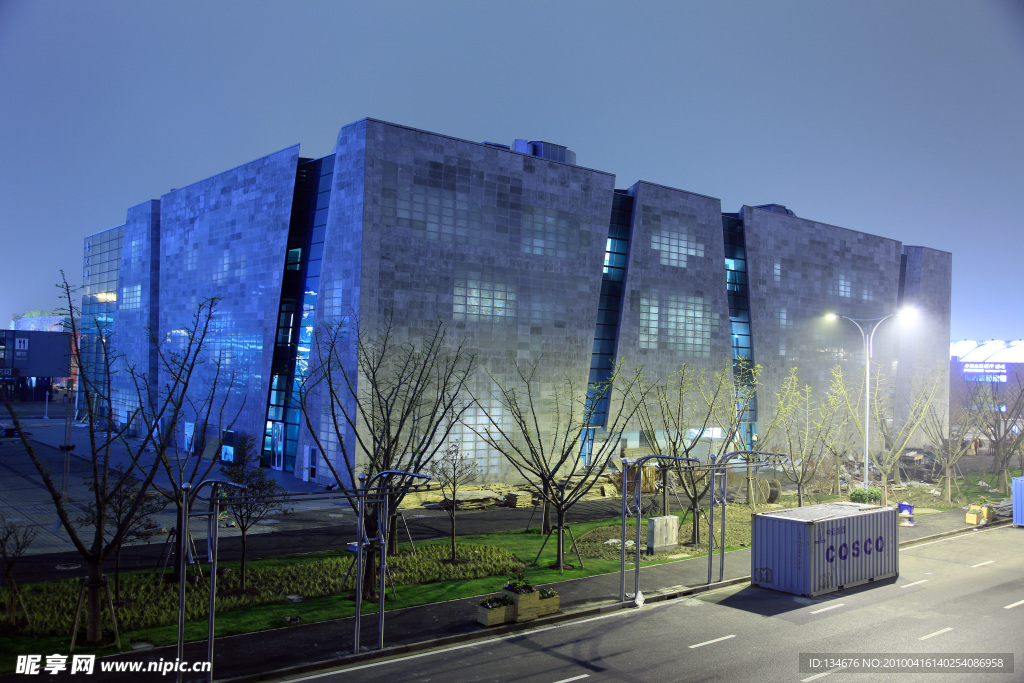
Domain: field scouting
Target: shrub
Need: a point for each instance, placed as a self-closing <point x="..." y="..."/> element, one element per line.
<point x="872" y="495"/>
<point x="495" y="601"/>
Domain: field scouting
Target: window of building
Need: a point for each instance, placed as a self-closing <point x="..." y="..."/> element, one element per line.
<point x="674" y="246"/>
<point x="476" y="299"/>
<point x="131" y="297"/>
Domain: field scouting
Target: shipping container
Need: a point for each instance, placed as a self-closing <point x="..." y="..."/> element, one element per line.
<point x="822" y="548"/>
<point x="1017" y="498"/>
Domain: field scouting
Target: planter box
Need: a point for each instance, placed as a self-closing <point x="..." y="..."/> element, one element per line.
<point x="527" y="605"/>
<point x="980" y="514"/>
<point x="495" y="616"/>
<point x="548" y="606"/>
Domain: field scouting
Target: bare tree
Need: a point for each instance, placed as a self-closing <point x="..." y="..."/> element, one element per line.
<point x="683" y="416"/>
<point x="999" y="410"/>
<point x="262" y="496"/>
<point x="552" y="441"/>
<point x="452" y="471"/>
<point x="123" y="513"/>
<point x="159" y="406"/>
<point x="950" y="441"/>
<point x="15" y="539"/>
<point x="386" y="404"/>
<point x="807" y="425"/>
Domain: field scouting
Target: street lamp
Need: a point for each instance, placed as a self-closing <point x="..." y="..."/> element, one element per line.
<point x="869" y="341"/>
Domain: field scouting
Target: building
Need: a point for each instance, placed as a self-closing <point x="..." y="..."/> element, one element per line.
<point x="520" y="249"/>
<point x="988" y="376"/>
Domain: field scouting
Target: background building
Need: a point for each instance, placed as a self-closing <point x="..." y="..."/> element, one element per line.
<point x="523" y="252"/>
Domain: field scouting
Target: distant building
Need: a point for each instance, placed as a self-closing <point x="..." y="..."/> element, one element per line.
<point x="997" y="364"/>
<point x="520" y="250"/>
<point x="39" y="321"/>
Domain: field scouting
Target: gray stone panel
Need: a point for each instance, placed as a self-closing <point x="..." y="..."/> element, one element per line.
<point x="137" y="304"/>
<point x="674" y="309"/>
<point x="799" y="270"/>
<point x="225" y="237"/>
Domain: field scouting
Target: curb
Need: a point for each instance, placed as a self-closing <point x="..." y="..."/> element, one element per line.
<point x="507" y="629"/>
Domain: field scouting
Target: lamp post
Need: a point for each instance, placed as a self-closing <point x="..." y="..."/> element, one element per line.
<point x="869" y="340"/>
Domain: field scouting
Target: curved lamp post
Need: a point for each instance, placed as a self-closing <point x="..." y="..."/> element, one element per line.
<point x="869" y="341"/>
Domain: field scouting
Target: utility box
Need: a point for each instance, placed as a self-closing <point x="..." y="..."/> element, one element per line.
<point x="822" y="548"/>
<point x="662" y="534"/>
<point x="1017" y="499"/>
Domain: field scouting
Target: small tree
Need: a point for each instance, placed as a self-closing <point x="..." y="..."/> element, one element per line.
<point x="262" y="497"/>
<point x="15" y="539"/>
<point x="122" y="513"/>
<point x="159" y="407"/>
<point x="807" y="425"/>
<point x="388" y="404"/>
<point x="999" y="411"/>
<point x="452" y="471"/>
<point x="552" y="443"/>
<point x="680" y="418"/>
<point x="950" y="442"/>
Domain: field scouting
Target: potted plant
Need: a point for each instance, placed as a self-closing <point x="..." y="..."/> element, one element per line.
<point x="548" y="602"/>
<point x="495" y="610"/>
<point x="524" y="596"/>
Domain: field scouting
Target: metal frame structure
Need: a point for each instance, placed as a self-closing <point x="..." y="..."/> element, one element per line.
<point x="717" y="489"/>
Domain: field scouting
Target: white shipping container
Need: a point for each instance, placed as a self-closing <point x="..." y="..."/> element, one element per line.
<point x="1017" y="498"/>
<point x="822" y="548"/>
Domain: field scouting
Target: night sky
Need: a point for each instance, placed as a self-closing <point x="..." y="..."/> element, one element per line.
<point x="903" y="119"/>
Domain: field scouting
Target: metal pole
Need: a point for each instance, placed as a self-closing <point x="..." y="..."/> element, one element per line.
<point x="360" y="533"/>
<point x="622" y="543"/>
<point x="721" y="544"/>
<point x="638" y="599"/>
<point x="711" y="523"/>
<point x="211" y="543"/>
<point x="182" y="561"/>
<point x="382" y="526"/>
<point x="867" y="399"/>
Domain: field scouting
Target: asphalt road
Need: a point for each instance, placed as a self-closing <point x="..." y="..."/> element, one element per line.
<point x="956" y="598"/>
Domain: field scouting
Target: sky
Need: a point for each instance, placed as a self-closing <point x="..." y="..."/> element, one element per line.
<point x="902" y="119"/>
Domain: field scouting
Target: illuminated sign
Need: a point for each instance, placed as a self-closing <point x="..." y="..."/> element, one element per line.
<point x="984" y="372"/>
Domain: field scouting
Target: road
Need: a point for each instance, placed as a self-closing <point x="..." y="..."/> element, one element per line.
<point x="962" y="596"/>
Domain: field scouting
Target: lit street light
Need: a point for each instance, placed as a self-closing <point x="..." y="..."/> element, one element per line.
<point x="869" y="341"/>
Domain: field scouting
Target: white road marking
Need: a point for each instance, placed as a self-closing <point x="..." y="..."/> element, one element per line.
<point x="478" y="643"/>
<point x="937" y="633"/>
<point x="716" y="640"/>
<point x="973" y="566"/>
<point x="1016" y="604"/>
<point x="821" y="675"/>
<point x="825" y="609"/>
<point x="574" y="678"/>
<point x="914" y="584"/>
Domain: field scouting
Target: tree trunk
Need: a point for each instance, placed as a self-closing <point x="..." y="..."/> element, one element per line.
<point x="94" y="603"/>
<point x="393" y="532"/>
<point x="695" y="516"/>
<point x="560" y="554"/>
<point x="800" y="495"/>
<point x="451" y="516"/>
<point x="117" y="575"/>
<point x="242" y="569"/>
<point x="11" y="590"/>
<point x="546" y="518"/>
<point x="949" y="483"/>
<point x="664" y="490"/>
